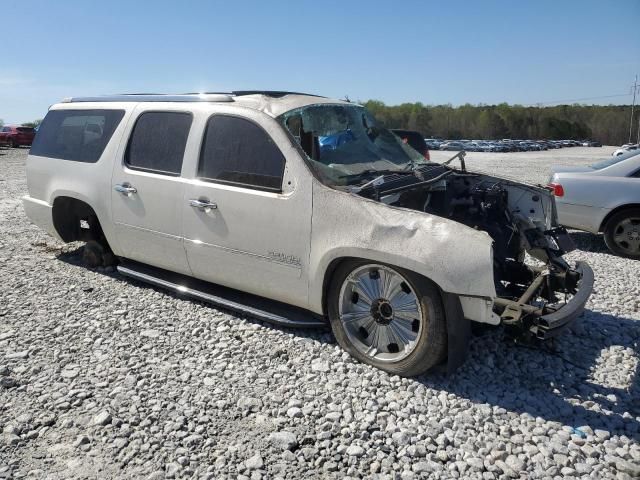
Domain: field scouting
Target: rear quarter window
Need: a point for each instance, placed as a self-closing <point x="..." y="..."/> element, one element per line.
<point x="77" y="135"/>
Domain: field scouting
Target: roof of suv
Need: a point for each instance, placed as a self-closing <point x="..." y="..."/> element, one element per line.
<point x="273" y="103"/>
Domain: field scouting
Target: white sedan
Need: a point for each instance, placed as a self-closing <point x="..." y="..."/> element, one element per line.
<point x="603" y="197"/>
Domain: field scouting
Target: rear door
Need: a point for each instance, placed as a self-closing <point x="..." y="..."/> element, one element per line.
<point x="247" y="212"/>
<point x="147" y="189"/>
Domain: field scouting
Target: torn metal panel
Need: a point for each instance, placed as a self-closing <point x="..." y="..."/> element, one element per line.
<point x="457" y="258"/>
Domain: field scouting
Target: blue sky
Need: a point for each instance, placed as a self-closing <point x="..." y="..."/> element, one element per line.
<point x="434" y="52"/>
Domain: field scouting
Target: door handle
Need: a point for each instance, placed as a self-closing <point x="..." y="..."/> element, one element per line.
<point x="205" y="205"/>
<point x="125" y="189"/>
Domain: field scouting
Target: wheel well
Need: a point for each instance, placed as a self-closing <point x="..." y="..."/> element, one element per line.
<point x="328" y="275"/>
<point x="75" y="220"/>
<point x="615" y="211"/>
<point x="333" y="266"/>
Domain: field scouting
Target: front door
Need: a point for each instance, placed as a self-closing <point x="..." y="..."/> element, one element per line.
<point x="247" y="212"/>
<point x="147" y="190"/>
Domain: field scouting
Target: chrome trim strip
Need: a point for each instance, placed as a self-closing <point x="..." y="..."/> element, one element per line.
<point x="146" y="230"/>
<point x="153" y="98"/>
<point x="268" y="258"/>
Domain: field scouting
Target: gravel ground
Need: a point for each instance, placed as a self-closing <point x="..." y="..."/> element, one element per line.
<point x="103" y="377"/>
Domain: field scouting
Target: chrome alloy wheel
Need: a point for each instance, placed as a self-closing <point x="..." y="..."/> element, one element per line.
<point x="626" y="235"/>
<point x="380" y="313"/>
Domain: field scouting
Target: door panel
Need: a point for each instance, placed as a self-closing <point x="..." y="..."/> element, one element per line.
<point x="146" y="205"/>
<point x="252" y="240"/>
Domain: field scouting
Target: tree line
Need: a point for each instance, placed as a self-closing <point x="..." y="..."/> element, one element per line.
<point x="607" y="124"/>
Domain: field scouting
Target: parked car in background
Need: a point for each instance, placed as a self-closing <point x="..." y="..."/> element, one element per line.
<point x="628" y="147"/>
<point x="433" y="143"/>
<point x="19" y="136"/>
<point x="452" y="146"/>
<point x="603" y="197"/>
<point x="415" y="140"/>
<point x="4" y="139"/>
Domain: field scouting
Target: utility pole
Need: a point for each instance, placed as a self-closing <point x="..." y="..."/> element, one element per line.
<point x="633" y="104"/>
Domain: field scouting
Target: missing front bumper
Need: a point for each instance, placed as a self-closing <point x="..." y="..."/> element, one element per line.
<point x="550" y="320"/>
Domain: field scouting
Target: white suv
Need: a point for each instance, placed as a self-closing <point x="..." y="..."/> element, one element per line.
<point x="302" y="210"/>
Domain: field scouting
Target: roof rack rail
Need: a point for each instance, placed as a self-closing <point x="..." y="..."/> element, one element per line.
<point x="155" y="97"/>
<point x="267" y="93"/>
<point x="271" y="93"/>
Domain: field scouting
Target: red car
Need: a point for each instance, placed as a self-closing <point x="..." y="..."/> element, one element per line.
<point x="18" y="136"/>
<point x="4" y="139"/>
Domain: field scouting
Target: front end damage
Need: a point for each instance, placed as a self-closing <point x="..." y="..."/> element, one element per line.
<point x="539" y="293"/>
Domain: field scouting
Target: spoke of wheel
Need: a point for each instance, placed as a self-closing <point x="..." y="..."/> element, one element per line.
<point x="405" y="336"/>
<point x="374" y="335"/>
<point x="405" y="322"/>
<point x="383" y="338"/>
<point x="620" y="238"/>
<point x="391" y="286"/>
<point x="406" y="305"/>
<point x="375" y="284"/>
<point x="362" y="293"/>
<point x="364" y="283"/>
<point x="355" y="317"/>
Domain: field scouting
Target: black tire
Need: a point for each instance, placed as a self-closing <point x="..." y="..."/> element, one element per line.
<point x="613" y="226"/>
<point x="431" y="345"/>
<point x="93" y="254"/>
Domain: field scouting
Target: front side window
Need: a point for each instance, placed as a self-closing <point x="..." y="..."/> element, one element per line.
<point x="158" y="141"/>
<point x="239" y="152"/>
<point x="77" y="135"/>
<point x="343" y="142"/>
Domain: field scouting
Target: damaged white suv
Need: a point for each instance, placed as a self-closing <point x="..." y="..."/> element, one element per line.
<point x="303" y="211"/>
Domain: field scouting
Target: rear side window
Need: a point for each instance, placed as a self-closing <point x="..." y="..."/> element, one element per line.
<point x="78" y="135"/>
<point x="25" y="129"/>
<point x="239" y="152"/>
<point x="158" y="141"/>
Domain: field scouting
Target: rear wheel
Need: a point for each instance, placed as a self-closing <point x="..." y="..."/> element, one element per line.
<point x="622" y="233"/>
<point x="387" y="317"/>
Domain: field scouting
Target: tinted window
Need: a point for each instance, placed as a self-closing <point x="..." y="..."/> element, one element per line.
<point x="158" y="141"/>
<point x="238" y="151"/>
<point x="25" y="129"/>
<point x="6" y="129"/>
<point x="78" y="135"/>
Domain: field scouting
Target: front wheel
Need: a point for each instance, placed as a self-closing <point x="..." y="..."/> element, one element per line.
<point x="622" y="233"/>
<point x="387" y="317"/>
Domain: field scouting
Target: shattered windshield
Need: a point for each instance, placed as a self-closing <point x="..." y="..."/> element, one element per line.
<point x="345" y="144"/>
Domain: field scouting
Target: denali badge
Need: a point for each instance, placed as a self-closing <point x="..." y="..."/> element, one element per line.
<point x="284" y="258"/>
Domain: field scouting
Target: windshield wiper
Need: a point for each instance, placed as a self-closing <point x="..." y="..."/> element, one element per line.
<point x="371" y="171"/>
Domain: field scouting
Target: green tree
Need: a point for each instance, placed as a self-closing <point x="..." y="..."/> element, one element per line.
<point x="605" y="123"/>
<point x="32" y="124"/>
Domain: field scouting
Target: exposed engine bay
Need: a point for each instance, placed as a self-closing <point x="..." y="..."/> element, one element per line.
<point x="520" y="219"/>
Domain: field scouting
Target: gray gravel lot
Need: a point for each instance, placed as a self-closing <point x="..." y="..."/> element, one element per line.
<point x="103" y="377"/>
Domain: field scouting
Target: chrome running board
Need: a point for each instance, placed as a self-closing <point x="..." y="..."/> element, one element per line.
<point x="241" y="302"/>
